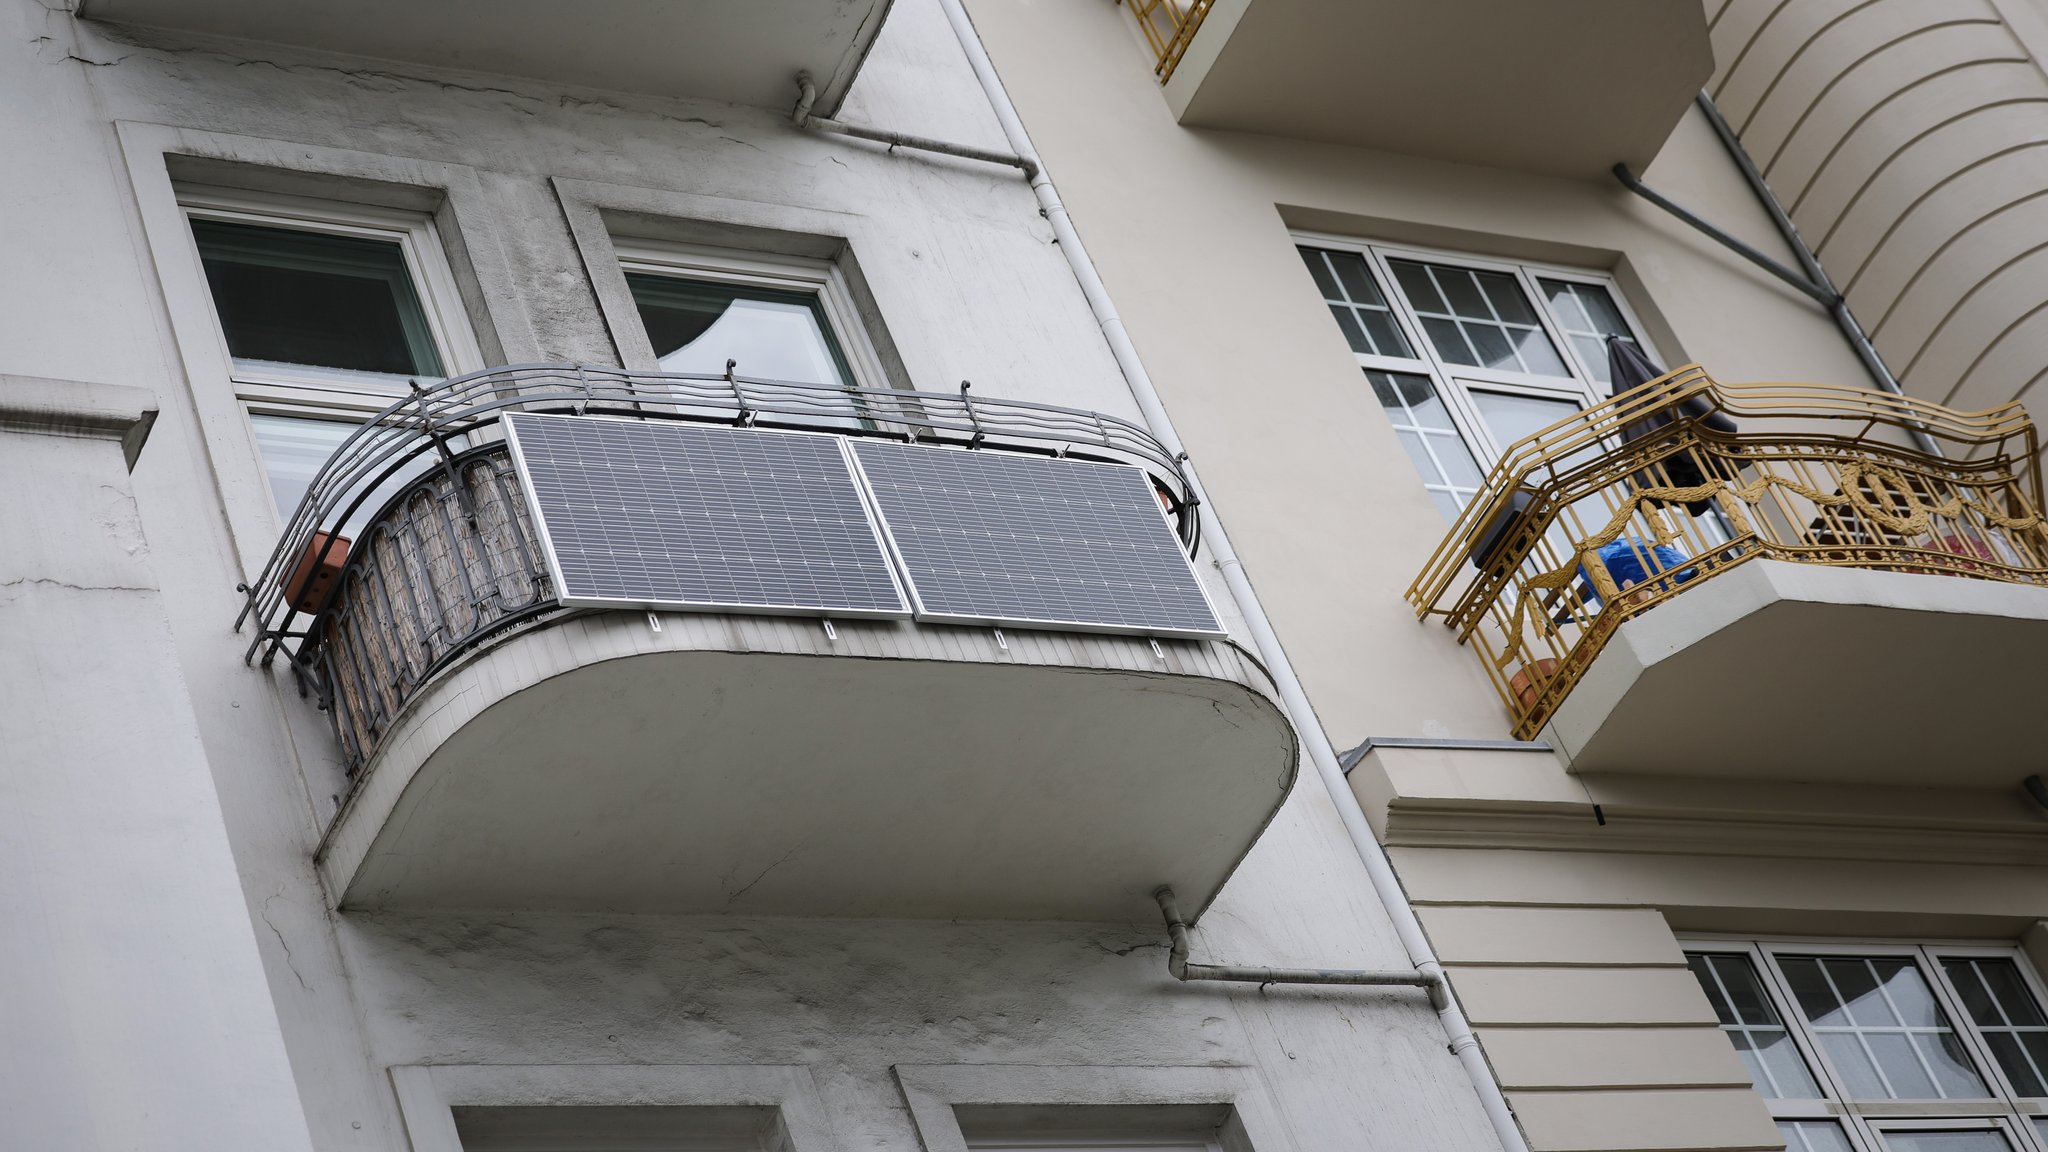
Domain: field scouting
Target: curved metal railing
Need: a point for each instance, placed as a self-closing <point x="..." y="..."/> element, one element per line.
<point x="448" y="555"/>
<point x="1602" y="516"/>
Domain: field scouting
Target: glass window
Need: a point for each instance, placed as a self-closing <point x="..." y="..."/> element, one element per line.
<point x="1880" y="1027"/>
<point x="295" y="447"/>
<point x="1997" y="999"/>
<point x="1463" y="359"/>
<point x="310" y="299"/>
<point x="1813" y="1136"/>
<point x="1946" y="1140"/>
<point x="1478" y="318"/>
<point x="1588" y="315"/>
<point x="1424" y="427"/>
<point x="1884" y="1049"/>
<point x="696" y="326"/>
<point x="1356" y="302"/>
<point x="324" y="322"/>
<point x="1752" y="1023"/>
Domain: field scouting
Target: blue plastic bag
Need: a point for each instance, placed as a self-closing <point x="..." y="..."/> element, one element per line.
<point x="1624" y="561"/>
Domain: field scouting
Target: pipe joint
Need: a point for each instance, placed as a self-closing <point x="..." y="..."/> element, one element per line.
<point x="1179" y="968"/>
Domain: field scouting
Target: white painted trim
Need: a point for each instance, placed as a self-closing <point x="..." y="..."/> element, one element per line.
<point x="933" y="1091"/>
<point x="429" y="1093"/>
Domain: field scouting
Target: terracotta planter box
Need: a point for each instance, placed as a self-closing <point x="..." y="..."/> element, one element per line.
<point x="318" y="568"/>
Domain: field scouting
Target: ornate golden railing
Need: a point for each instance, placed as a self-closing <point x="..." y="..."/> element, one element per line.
<point x="1601" y="517"/>
<point x="1169" y="26"/>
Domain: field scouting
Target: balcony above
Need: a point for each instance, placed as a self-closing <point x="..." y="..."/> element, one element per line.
<point x="1847" y="587"/>
<point x="509" y="751"/>
<point x="1570" y="87"/>
<point x="737" y="51"/>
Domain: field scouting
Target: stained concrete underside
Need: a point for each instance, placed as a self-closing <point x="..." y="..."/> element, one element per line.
<point x="759" y="782"/>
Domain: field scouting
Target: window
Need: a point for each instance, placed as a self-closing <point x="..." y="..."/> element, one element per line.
<point x="780" y="318"/>
<point x="1468" y="356"/>
<point x="328" y="313"/>
<point x="1900" y="1048"/>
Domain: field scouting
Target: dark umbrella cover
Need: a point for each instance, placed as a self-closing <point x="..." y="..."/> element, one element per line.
<point x="1628" y="369"/>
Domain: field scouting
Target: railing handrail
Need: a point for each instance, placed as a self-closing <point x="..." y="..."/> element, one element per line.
<point x="422" y="422"/>
<point x="1594" y="431"/>
<point x="1606" y="514"/>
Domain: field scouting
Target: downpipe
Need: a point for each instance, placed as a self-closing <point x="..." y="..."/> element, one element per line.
<point x="1293" y="697"/>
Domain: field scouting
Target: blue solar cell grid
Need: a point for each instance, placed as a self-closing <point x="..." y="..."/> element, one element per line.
<point x="994" y="538"/>
<point x="662" y="515"/>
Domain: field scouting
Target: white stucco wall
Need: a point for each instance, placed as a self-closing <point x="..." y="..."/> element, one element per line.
<point x="964" y="275"/>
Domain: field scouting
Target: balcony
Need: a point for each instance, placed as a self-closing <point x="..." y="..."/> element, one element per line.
<point x="1568" y="88"/>
<point x="1844" y="588"/>
<point x="508" y="750"/>
<point x="737" y="51"/>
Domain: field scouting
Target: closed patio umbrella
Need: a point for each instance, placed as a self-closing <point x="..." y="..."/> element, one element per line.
<point x="1628" y="369"/>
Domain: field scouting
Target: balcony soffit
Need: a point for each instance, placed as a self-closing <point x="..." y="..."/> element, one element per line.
<point x="1567" y="87"/>
<point x="736" y="51"/>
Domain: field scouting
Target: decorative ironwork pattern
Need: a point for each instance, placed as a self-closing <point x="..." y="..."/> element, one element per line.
<point x="450" y="557"/>
<point x="1603" y="516"/>
<point x="1169" y="27"/>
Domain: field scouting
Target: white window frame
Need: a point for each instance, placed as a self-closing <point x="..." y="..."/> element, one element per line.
<point x="433" y="282"/>
<point x="1455" y="382"/>
<point x="819" y="278"/>
<point x="1864" y="1121"/>
<point x="335" y="395"/>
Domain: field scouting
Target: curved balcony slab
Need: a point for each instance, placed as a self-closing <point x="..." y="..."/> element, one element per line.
<point x="1791" y="671"/>
<point x="753" y="765"/>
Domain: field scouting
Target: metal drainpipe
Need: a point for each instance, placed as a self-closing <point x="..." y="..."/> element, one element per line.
<point x="1830" y="297"/>
<point x="1295" y="700"/>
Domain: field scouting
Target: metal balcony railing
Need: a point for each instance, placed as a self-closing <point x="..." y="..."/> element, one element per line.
<point x="1601" y="517"/>
<point x="1169" y="26"/>
<point x="447" y="556"/>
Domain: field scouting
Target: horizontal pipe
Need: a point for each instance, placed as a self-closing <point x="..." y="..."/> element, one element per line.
<point x="1178" y="965"/>
<point x="808" y="96"/>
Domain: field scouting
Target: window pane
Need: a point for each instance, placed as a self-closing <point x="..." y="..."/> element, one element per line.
<point x="2002" y="1007"/>
<point x="1449" y="470"/>
<point x="1510" y="417"/>
<point x="1588" y="315"/>
<point x="1478" y="318"/>
<point x="307" y="298"/>
<point x="1813" y="1136"/>
<point x="1878" y="1022"/>
<point x="1968" y="1140"/>
<point x="1753" y="1026"/>
<point x="697" y="327"/>
<point x="293" y="449"/>
<point x="1355" y="299"/>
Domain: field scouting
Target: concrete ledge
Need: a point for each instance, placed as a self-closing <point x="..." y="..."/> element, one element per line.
<point x="1785" y="671"/>
<point x="40" y="406"/>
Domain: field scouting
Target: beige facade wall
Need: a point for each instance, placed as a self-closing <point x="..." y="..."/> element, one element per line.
<point x="1562" y="933"/>
<point x="1907" y="142"/>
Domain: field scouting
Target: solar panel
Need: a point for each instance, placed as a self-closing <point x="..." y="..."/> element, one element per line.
<point x="650" y="514"/>
<point x="993" y="538"/>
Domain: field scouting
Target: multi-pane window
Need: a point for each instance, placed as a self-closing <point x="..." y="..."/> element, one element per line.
<point x="1886" y="1048"/>
<point x="328" y="314"/>
<point x="1468" y="356"/>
